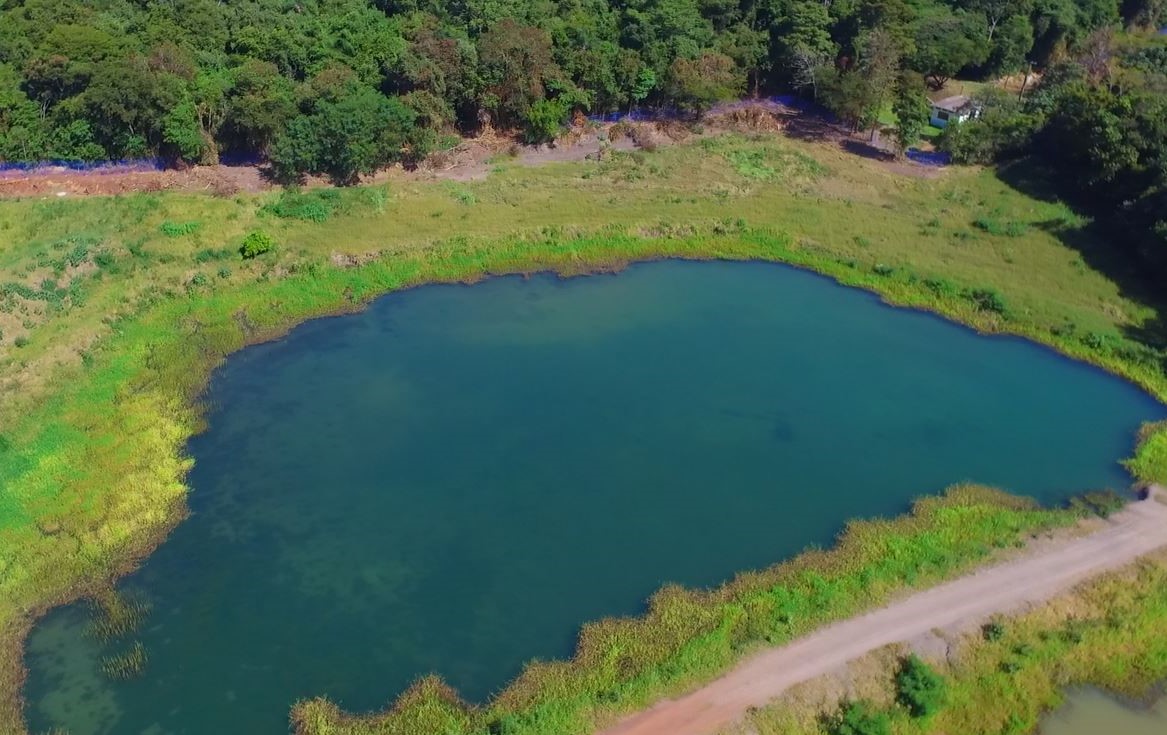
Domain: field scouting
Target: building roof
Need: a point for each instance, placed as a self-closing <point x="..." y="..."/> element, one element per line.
<point x="957" y="103"/>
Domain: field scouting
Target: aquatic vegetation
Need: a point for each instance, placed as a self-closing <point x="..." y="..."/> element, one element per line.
<point x="116" y="615"/>
<point x="127" y="665"/>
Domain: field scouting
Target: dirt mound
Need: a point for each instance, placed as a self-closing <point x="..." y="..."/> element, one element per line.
<point x="753" y="119"/>
<point x="63" y="182"/>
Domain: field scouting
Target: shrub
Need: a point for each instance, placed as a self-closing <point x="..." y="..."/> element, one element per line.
<point x="942" y="287"/>
<point x="178" y="229"/>
<point x="210" y="254"/>
<point x="255" y="244"/>
<point x="544" y="121"/>
<point x="920" y="688"/>
<point x="860" y="718"/>
<point x="994" y="226"/>
<point x="1102" y="503"/>
<point x="987" y="299"/>
<point x="993" y="631"/>
<point x="20" y="342"/>
<point x="311" y="207"/>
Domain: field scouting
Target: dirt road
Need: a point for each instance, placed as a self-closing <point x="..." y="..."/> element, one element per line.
<point x="1033" y="578"/>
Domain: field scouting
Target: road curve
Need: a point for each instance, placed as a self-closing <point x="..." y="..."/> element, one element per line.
<point x="1033" y="578"/>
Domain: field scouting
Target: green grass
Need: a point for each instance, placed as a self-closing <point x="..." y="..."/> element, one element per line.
<point x="101" y="397"/>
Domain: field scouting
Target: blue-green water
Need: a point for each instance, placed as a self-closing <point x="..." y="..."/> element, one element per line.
<point x="458" y="478"/>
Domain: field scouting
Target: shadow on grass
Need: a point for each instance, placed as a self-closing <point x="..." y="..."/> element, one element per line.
<point x="1105" y="245"/>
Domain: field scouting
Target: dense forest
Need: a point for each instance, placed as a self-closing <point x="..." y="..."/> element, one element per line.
<point x="191" y="80"/>
<point x="342" y="87"/>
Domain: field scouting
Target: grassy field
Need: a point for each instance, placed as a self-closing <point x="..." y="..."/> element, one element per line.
<point x="114" y="310"/>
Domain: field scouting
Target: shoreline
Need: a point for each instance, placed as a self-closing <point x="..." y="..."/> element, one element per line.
<point x="135" y="555"/>
<point x="1003" y="589"/>
<point x="643" y="249"/>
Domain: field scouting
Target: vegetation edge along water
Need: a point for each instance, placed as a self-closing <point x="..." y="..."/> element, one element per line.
<point x="152" y="370"/>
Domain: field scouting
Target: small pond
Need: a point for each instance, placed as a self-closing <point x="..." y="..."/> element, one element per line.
<point x="1091" y="712"/>
<point x="457" y="478"/>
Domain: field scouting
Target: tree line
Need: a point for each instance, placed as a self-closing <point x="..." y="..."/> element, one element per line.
<point x="341" y="87"/>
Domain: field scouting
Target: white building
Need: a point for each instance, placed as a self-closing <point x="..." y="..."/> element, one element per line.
<point x="953" y="109"/>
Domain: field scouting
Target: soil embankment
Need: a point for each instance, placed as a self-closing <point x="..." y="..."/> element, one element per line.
<point x="1033" y="578"/>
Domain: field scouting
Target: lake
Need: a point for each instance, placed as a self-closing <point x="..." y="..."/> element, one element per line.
<point x="457" y="478"/>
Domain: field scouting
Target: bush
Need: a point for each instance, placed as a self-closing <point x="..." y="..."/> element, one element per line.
<point x="920" y="688"/>
<point x="315" y="206"/>
<point x="178" y="229"/>
<point x="987" y="299"/>
<point x="993" y="631"/>
<point x="544" y="121"/>
<point x="209" y="254"/>
<point x="942" y="287"/>
<point x="860" y="718"/>
<point x="1102" y="503"/>
<point x="255" y="244"/>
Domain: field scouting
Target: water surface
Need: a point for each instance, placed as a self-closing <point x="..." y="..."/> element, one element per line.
<point x="1091" y="712"/>
<point x="458" y="478"/>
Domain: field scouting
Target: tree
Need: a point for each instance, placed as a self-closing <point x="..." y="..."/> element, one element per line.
<point x="545" y="120"/>
<point x="881" y="52"/>
<point x="358" y="133"/>
<point x="1144" y="14"/>
<point x="23" y="132"/>
<point x="517" y="65"/>
<point x="128" y="104"/>
<point x="696" y="84"/>
<point x="850" y="96"/>
<point x="180" y="129"/>
<point x="259" y="105"/>
<point x="912" y="110"/>
<point x="645" y="83"/>
<point x="1003" y="130"/>
<point x="920" y="688"/>
<point x="946" y="42"/>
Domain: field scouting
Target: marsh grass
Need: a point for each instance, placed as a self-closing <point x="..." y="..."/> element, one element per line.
<point x="116" y="616"/>
<point x="126" y="665"/>
<point x="103" y="396"/>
